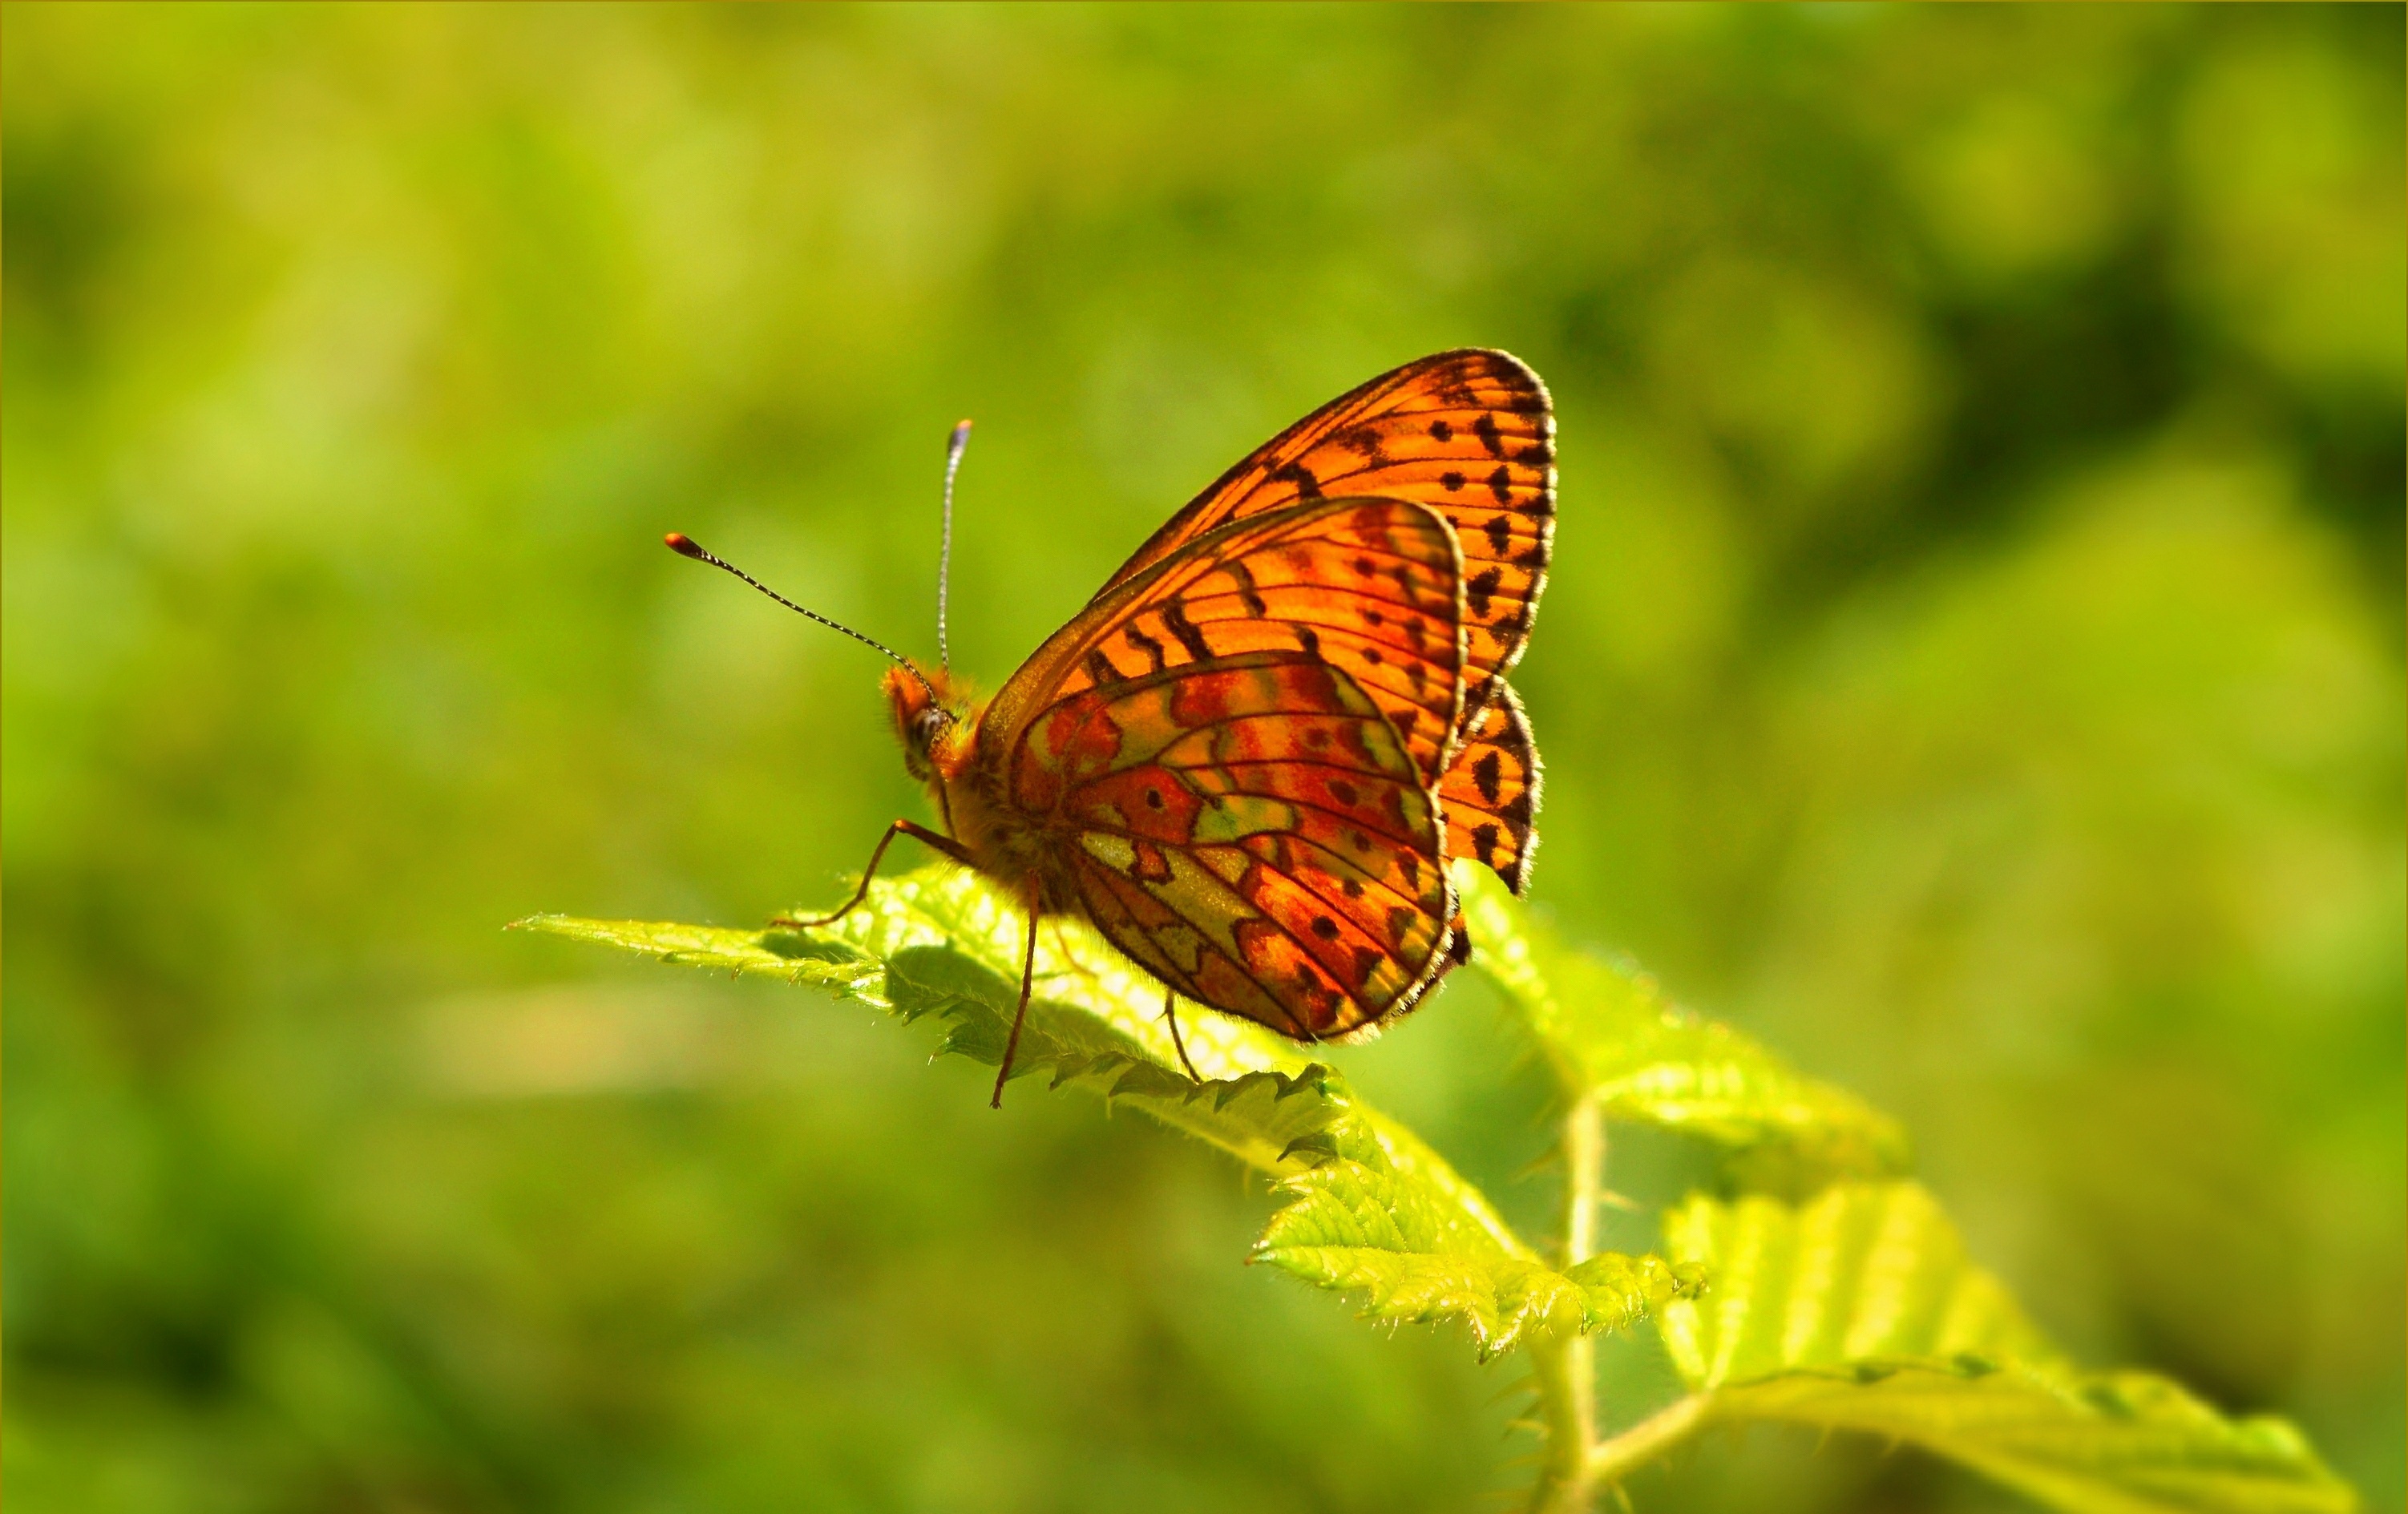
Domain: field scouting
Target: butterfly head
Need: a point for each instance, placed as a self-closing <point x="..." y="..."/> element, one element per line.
<point x="931" y="718"/>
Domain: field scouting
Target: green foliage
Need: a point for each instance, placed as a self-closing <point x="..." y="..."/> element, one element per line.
<point x="1364" y="1225"/>
<point x="1973" y="667"/>
<point x="1370" y="1207"/>
<point x="941" y="944"/>
<point x="1863" y="1274"/>
<point x="1860" y="1311"/>
<point x="1613" y="1035"/>
<point x="1857" y="1310"/>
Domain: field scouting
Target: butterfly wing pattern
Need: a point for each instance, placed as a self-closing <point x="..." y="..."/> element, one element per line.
<point x="1234" y="753"/>
<point x="1470" y="434"/>
<point x="1490" y="790"/>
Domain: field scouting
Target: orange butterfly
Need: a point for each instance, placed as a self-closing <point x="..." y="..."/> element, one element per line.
<point x="1248" y="761"/>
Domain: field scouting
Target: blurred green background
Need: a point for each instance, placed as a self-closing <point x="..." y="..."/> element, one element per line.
<point x="1973" y="663"/>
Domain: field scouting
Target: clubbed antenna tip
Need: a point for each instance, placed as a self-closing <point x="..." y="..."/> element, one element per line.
<point x="685" y="546"/>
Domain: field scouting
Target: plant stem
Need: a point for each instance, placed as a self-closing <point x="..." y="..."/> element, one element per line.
<point x="1563" y="1471"/>
<point x="1567" y="1371"/>
<point x="1585" y="1157"/>
<point x="1609" y="1462"/>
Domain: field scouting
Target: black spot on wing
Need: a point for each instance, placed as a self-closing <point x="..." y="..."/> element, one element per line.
<point x="1366" y="441"/>
<point x="1307" y="486"/>
<point x="1485" y="774"/>
<point x="1367" y="962"/>
<point x="1191" y="636"/>
<point x="1143" y="643"/>
<point x="1247" y="594"/>
<point x="1478" y="589"/>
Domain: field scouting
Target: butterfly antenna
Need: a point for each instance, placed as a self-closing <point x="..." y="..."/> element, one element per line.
<point x="954" y="450"/>
<point x="685" y="546"/>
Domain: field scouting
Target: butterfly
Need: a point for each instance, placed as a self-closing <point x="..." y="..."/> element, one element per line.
<point x="1248" y="761"/>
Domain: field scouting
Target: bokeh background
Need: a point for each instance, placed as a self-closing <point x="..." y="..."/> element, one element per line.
<point x="1973" y="663"/>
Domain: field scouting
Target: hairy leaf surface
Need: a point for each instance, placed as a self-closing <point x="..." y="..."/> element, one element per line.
<point x="1363" y="1226"/>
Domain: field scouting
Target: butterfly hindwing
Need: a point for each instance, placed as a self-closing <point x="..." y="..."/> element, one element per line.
<point x="1278" y="860"/>
<point x="1490" y="793"/>
<point x="1239" y="750"/>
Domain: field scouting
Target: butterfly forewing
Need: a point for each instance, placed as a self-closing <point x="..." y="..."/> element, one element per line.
<point x="1240" y="747"/>
<point x="1470" y="433"/>
<point x="1369" y="587"/>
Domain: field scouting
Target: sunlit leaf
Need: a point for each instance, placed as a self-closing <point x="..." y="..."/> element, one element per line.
<point x="1610" y="1030"/>
<point x="1364" y="1226"/>
<point x="1370" y="1207"/>
<point x="941" y="944"/>
<point x="1860" y="1311"/>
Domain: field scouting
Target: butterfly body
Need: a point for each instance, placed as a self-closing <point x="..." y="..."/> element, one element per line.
<point x="937" y="723"/>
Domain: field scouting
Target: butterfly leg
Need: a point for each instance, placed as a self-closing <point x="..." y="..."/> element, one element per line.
<point x="945" y="844"/>
<point x="1027" y="978"/>
<point x="1168" y="998"/>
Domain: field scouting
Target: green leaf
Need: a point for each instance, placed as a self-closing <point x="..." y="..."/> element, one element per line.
<point x="1369" y="1206"/>
<point x="1860" y="1311"/>
<point x="1610" y="1033"/>
<point x="1383" y="1215"/>
<point x="1363" y="1226"/>
<point x="942" y="944"/>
